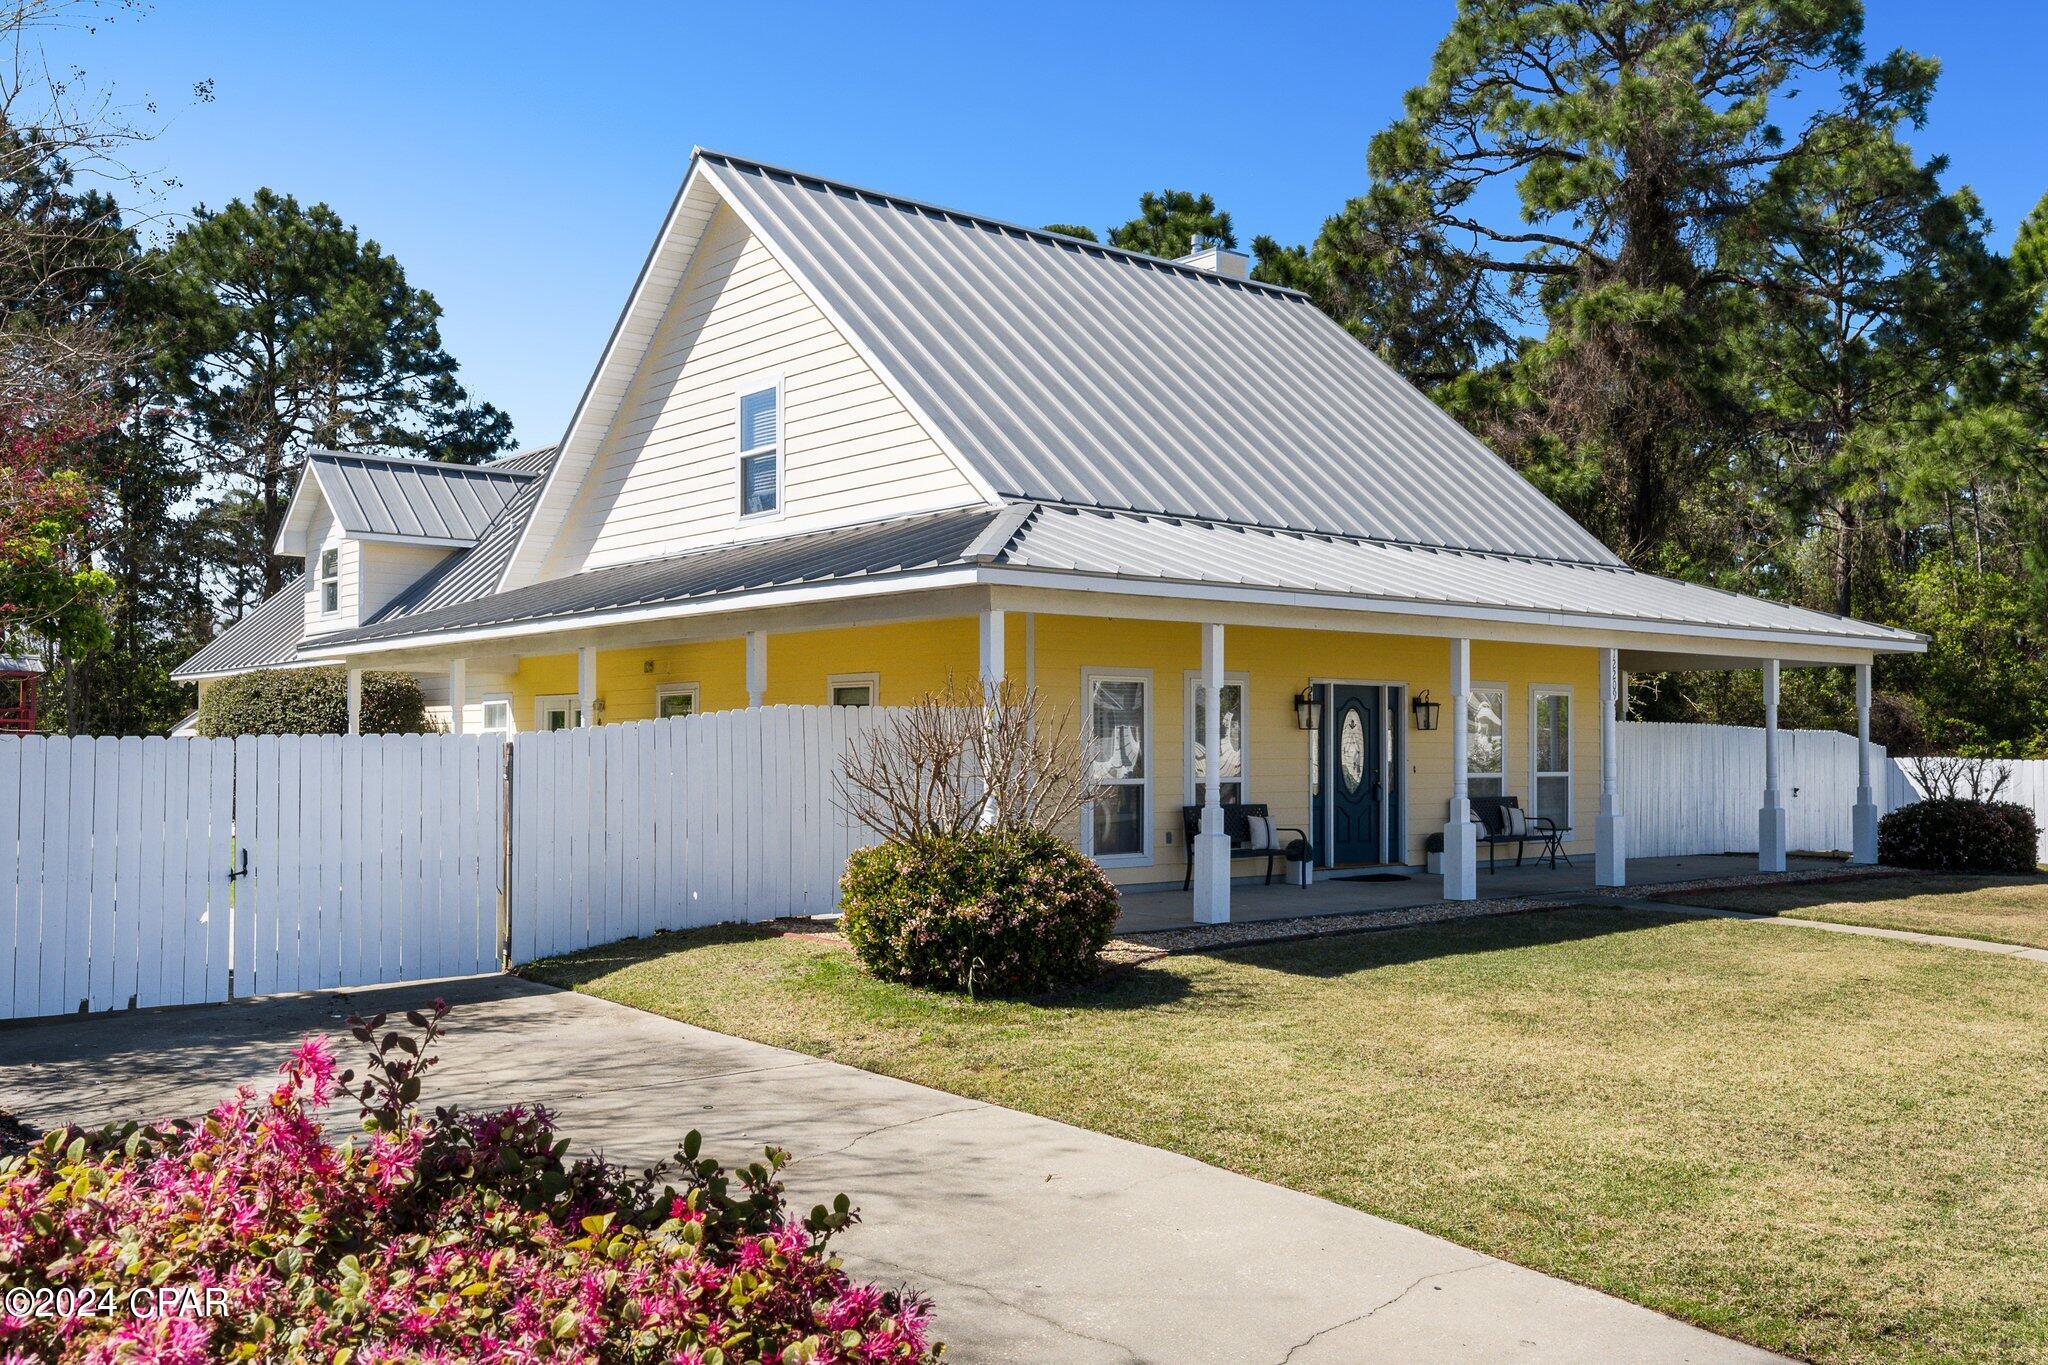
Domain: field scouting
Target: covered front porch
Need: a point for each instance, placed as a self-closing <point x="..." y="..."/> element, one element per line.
<point x="1344" y="892"/>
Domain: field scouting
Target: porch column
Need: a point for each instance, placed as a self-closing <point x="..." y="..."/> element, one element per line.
<point x="1771" y="820"/>
<point x="1461" y="842"/>
<point x="586" y="684"/>
<point x="1863" y="815"/>
<point x="1610" y="830"/>
<point x="458" y="694"/>
<point x="757" y="667"/>
<point x="1212" y="845"/>
<point x="355" y="701"/>
<point x="991" y="690"/>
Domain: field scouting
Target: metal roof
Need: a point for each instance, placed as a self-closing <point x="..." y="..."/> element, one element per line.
<point x="424" y="500"/>
<point x="266" y="636"/>
<point x="1361" y="574"/>
<point x="1063" y="372"/>
<point x="473" y="573"/>
<point x="1178" y="550"/>
<point x="904" y="545"/>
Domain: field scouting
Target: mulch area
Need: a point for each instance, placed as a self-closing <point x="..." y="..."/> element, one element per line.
<point x="15" y="1136"/>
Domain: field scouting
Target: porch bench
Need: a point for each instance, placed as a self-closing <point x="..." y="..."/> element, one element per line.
<point x="1502" y="821"/>
<point x="1237" y="823"/>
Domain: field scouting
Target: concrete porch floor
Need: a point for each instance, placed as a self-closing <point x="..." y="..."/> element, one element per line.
<point x="1155" y="911"/>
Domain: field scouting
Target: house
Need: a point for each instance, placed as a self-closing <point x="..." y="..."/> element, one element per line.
<point x="20" y="679"/>
<point x="843" y="445"/>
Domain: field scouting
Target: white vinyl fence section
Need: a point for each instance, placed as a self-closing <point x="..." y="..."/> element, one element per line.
<point x="674" y="824"/>
<point x="370" y="859"/>
<point x="112" y="861"/>
<point x="1696" y="788"/>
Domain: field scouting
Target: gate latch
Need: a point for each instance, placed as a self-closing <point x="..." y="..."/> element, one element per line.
<point x="243" y="870"/>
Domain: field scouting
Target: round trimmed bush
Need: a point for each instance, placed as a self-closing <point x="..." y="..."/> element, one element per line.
<point x="310" y="701"/>
<point x="1020" y="910"/>
<point x="1959" y="836"/>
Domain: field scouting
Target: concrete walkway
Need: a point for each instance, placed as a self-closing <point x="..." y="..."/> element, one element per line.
<point x="1974" y="945"/>
<point x="1039" y="1241"/>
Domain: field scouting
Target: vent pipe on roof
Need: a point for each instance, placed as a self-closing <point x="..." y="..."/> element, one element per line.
<point x="1218" y="259"/>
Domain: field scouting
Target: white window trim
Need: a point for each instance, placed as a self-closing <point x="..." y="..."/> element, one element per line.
<point x="326" y="581"/>
<point x="1507" y="752"/>
<point x="1187" y="734"/>
<point x="1537" y="691"/>
<point x="871" y="681"/>
<point x="553" y="701"/>
<point x="1089" y="677"/>
<point x="483" y="713"/>
<point x="754" y="384"/>
<point x="663" y="691"/>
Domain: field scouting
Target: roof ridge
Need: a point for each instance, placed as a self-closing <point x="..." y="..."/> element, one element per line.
<point x="1059" y="239"/>
<point x="493" y="469"/>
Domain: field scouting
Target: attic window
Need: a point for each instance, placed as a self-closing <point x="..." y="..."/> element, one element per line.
<point x="330" y="581"/>
<point x="760" y="445"/>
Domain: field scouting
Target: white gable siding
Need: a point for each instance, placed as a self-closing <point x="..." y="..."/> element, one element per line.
<point x="666" y="478"/>
<point x="384" y="570"/>
<point x="322" y="534"/>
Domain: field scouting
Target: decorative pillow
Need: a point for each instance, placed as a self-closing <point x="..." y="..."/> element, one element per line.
<point x="1518" y="822"/>
<point x="1258" y="831"/>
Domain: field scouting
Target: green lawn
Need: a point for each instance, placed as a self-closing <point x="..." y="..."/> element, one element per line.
<point x="1831" y="1146"/>
<point x="2002" y="909"/>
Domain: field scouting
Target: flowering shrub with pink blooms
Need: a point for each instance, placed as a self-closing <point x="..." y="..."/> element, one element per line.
<point x="456" y="1237"/>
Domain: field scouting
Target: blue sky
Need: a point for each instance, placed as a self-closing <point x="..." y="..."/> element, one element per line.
<point x="517" y="158"/>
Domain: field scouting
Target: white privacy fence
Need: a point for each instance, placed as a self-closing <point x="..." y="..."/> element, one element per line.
<point x="139" y="872"/>
<point x="1696" y="788"/>
<point x="674" y="824"/>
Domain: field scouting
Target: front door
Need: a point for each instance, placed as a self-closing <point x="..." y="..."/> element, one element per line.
<point x="1352" y="724"/>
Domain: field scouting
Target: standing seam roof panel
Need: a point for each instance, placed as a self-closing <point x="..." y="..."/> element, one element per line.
<point x="1294" y="423"/>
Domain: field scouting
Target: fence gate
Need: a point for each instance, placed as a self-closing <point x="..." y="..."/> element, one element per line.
<point x="368" y="859"/>
<point x="111" y="860"/>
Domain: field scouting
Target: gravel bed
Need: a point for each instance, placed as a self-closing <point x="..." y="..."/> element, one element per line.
<point x="1134" y="948"/>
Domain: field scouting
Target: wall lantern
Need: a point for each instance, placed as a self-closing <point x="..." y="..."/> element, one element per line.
<point x="1308" y="708"/>
<point x="1425" y="710"/>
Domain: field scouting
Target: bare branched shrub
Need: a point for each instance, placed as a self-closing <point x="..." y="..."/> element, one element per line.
<point x="1949" y="778"/>
<point x="949" y="765"/>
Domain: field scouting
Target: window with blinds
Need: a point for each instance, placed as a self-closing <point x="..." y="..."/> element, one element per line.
<point x="760" y="448"/>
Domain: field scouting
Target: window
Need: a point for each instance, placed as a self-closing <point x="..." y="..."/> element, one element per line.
<point x="1550" y="742"/>
<point x="561" y="712"/>
<point x="675" y="699"/>
<point x="497" y="713"/>
<point x="330" y="581"/>
<point x="1232" y="752"/>
<point x="1119" y="741"/>
<point x="852" y="689"/>
<point x="760" y="445"/>
<point x="1486" y="742"/>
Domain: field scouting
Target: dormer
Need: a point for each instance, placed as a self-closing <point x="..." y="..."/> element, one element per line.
<point x="369" y="526"/>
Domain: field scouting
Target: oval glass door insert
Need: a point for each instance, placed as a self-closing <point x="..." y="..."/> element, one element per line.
<point x="1351" y="751"/>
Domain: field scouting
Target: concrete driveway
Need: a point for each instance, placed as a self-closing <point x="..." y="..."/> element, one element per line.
<point x="1039" y="1241"/>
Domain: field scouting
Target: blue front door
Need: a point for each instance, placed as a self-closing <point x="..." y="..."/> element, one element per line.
<point x="1353" y="778"/>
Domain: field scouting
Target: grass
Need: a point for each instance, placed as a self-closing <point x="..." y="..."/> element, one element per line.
<point x="2001" y="909"/>
<point x="1825" y="1145"/>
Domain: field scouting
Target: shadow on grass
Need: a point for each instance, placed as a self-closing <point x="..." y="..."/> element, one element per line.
<point x="1344" y="953"/>
<point x="1787" y="899"/>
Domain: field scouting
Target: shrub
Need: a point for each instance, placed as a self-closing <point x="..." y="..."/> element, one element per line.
<point x="1014" y="910"/>
<point x="460" y="1237"/>
<point x="1957" y="835"/>
<point x="310" y="701"/>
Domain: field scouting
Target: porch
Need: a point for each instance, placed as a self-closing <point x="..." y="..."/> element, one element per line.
<point x="1157" y="911"/>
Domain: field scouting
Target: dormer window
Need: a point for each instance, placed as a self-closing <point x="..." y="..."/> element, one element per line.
<point x="760" y="448"/>
<point x="330" y="581"/>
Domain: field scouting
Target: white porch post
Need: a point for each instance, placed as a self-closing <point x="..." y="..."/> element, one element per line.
<point x="1461" y="842"/>
<point x="991" y="687"/>
<point x="586" y="684"/>
<point x="1610" y="829"/>
<point x="1212" y="845"/>
<point x="1771" y="820"/>
<point x="757" y="667"/>
<point x="458" y="694"/>
<point x="355" y="701"/>
<point x="1863" y="815"/>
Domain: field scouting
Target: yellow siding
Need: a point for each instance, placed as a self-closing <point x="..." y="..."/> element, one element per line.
<point x="915" y="658"/>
